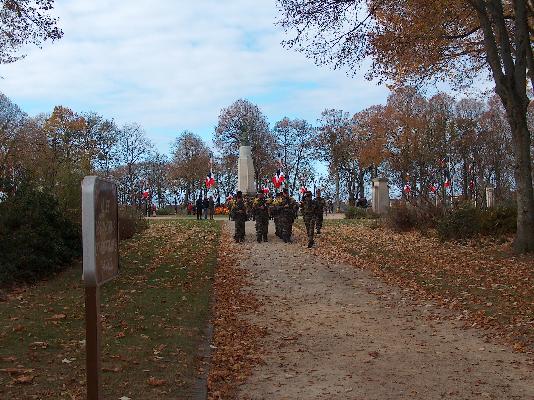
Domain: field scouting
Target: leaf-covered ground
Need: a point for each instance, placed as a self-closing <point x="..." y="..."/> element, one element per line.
<point x="236" y="348"/>
<point x="154" y="319"/>
<point x="483" y="282"/>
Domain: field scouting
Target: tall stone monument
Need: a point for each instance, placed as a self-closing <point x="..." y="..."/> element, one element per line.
<point x="490" y="197"/>
<point x="380" y="201"/>
<point x="245" y="166"/>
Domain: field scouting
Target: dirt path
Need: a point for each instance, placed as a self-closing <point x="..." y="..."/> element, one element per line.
<point x="336" y="332"/>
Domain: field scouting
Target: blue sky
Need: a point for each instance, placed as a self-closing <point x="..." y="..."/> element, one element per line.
<point x="172" y="65"/>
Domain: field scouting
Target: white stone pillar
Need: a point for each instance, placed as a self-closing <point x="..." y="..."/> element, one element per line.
<point x="490" y="197"/>
<point x="245" y="170"/>
<point x="380" y="201"/>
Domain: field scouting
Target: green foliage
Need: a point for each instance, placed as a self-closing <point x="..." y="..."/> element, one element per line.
<point x="131" y="221"/>
<point x="360" y="213"/>
<point x="167" y="210"/>
<point x="499" y="221"/>
<point x="468" y="222"/>
<point x="36" y="238"/>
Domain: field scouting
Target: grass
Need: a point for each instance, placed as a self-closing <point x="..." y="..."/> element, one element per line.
<point x="154" y="317"/>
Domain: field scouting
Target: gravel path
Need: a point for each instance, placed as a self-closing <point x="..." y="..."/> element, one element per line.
<point x="336" y="332"/>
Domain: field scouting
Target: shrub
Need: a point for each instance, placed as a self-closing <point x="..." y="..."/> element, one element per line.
<point x="131" y="221"/>
<point x="467" y="222"/>
<point x="167" y="210"/>
<point x="360" y="213"/>
<point x="404" y="216"/>
<point x="460" y="223"/>
<point x="36" y="238"/>
<point x="401" y="218"/>
<point x="499" y="221"/>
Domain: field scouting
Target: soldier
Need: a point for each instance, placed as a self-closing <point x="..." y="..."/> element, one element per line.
<point x="287" y="216"/>
<point x="275" y="213"/>
<point x="261" y="214"/>
<point x="320" y="207"/>
<point x="240" y="217"/>
<point x="309" y="214"/>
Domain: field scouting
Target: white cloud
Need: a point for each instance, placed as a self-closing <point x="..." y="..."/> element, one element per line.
<point x="172" y="65"/>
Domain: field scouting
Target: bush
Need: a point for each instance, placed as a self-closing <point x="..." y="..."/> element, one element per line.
<point x="167" y="210"/>
<point x="36" y="238"/>
<point x="468" y="222"/>
<point x="460" y="223"/>
<point x="360" y="213"/>
<point x="499" y="221"/>
<point x="401" y="218"/>
<point x="404" y="217"/>
<point x="131" y="221"/>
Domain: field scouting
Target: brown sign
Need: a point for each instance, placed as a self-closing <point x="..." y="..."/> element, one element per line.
<point x="100" y="231"/>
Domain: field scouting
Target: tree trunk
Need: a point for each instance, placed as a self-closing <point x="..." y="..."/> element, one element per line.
<point x="337" y="189"/>
<point x="524" y="241"/>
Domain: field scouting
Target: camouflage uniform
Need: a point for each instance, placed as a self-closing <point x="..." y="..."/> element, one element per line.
<point x="320" y="206"/>
<point x="239" y="213"/>
<point x="261" y="214"/>
<point x="287" y="217"/>
<point x="309" y="214"/>
<point x="275" y="213"/>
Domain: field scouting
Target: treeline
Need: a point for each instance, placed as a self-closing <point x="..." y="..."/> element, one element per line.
<point x="417" y="142"/>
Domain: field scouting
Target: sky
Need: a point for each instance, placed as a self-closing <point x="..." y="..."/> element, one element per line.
<point x="172" y="65"/>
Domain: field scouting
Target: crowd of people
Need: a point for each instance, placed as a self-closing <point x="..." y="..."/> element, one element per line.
<point x="282" y="209"/>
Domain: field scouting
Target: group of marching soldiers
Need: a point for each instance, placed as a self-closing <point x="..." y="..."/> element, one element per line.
<point x="283" y="209"/>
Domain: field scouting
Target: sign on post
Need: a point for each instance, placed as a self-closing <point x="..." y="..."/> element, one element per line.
<point x="100" y="264"/>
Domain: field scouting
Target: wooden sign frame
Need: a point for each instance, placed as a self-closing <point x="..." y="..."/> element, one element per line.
<point x="100" y="232"/>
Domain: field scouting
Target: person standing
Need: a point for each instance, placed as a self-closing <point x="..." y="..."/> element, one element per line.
<point x="239" y="213"/>
<point x="261" y="214"/>
<point x="211" y="205"/>
<point x="309" y="214"/>
<point x="198" y="205"/>
<point x="287" y="216"/>
<point x="205" y="206"/>
<point x="320" y="205"/>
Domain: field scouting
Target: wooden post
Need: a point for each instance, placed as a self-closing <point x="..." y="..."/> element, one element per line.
<point x="92" y="342"/>
<point x="100" y="264"/>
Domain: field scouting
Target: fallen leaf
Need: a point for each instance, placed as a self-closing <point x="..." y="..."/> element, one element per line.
<point x="156" y="382"/>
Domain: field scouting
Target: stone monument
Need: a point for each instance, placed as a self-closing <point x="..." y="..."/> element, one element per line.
<point x="245" y="166"/>
<point x="380" y="193"/>
<point x="490" y="197"/>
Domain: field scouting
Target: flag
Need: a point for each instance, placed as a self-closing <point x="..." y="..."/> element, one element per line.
<point x="471" y="184"/>
<point x="407" y="188"/>
<point x="448" y="181"/>
<point x="210" y="180"/>
<point x="279" y="177"/>
<point x="303" y="190"/>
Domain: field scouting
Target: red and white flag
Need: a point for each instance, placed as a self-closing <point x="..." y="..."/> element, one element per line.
<point x="210" y="180"/>
<point x="279" y="177"/>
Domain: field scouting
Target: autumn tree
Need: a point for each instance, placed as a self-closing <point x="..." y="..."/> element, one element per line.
<point x="330" y="143"/>
<point x="102" y="136"/>
<point x="244" y="116"/>
<point x="189" y="164"/>
<point x="25" y="22"/>
<point x="294" y="139"/>
<point x="410" y="41"/>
